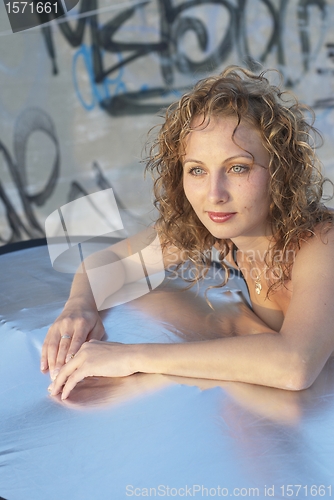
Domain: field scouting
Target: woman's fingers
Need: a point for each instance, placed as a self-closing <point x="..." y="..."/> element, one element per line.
<point x="71" y="382"/>
<point x="44" y="356"/>
<point x="67" y="378"/>
<point x="96" y="333"/>
<point x="66" y="341"/>
<point x="71" y="342"/>
<point x="60" y="338"/>
<point x="51" y="346"/>
<point x="66" y="336"/>
<point x="94" y="358"/>
<point x="73" y="348"/>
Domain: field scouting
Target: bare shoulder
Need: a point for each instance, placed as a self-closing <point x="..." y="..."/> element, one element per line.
<point x="315" y="254"/>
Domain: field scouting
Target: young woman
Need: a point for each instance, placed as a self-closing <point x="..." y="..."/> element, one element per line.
<point x="234" y="168"/>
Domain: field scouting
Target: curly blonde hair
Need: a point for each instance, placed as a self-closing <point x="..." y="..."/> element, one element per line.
<point x="296" y="182"/>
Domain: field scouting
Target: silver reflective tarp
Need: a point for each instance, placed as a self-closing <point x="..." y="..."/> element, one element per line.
<point x="151" y="435"/>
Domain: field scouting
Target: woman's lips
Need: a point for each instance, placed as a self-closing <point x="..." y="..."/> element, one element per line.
<point x="220" y="216"/>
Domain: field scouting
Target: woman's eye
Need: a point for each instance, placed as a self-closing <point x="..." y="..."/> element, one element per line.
<point x="239" y="169"/>
<point x="196" y="171"/>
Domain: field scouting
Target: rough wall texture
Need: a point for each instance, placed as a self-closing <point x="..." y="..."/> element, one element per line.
<point x="77" y="97"/>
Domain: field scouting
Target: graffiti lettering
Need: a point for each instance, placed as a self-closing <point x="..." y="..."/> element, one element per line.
<point x="31" y="120"/>
<point x="330" y="55"/>
<point x="174" y="23"/>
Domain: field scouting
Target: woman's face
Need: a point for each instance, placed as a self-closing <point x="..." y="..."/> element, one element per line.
<point x="227" y="187"/>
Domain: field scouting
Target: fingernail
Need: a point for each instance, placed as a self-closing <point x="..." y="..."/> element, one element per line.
<point x="42" y="366"/>
<point x="54" y="373"/>
<point x="50" y="387"/>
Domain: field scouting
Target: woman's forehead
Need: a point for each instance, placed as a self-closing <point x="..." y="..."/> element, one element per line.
<point x="202" y="122"/>
<point x="224" y="136"/>
<point x="224" y="128"/>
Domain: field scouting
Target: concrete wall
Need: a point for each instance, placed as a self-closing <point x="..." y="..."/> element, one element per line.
<point x="78" y="96"/>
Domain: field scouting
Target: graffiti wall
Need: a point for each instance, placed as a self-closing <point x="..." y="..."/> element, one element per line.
<point x="79" y="93"/>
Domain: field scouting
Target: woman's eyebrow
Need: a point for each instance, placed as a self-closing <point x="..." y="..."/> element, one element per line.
<point x="231" y="158"/>
<point x="191" y="160"/>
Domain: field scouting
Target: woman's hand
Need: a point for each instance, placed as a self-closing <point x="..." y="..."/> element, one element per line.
<point x="75" y="325"/>
<point x="104" y="359"/>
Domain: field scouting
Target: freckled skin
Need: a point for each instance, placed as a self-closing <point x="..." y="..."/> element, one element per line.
<point x="221" y="176"/>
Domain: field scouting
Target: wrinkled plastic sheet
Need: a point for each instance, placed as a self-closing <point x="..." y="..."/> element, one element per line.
<point x="150" y="435"/>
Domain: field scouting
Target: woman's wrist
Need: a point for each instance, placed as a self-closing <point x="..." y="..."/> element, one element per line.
<point x="150" y="358"/>
<point x="141" y="358"/>
<point x="81" y="302"/>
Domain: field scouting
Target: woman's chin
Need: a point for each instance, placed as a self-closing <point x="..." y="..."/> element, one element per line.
<point x="222" y="234"/>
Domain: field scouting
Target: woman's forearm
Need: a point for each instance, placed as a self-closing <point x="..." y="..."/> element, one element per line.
<point x="264" y="359"/>
<point x="81" y="290"/>
<point x="113" y="279"/>
<point x="120" y="266"/>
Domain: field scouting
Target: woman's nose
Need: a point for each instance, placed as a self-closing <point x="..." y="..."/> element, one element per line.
<point x="217" y="190"/>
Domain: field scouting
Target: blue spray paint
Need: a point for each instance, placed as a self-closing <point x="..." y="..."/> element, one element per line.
<point x="108" y="88"/>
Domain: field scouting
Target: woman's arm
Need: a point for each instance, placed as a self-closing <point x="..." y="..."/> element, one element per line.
<point x="80" y="320"/>
<point x="289" y="359"/>
<point x="78" y="323"/>
<point x="260" y="359"/>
